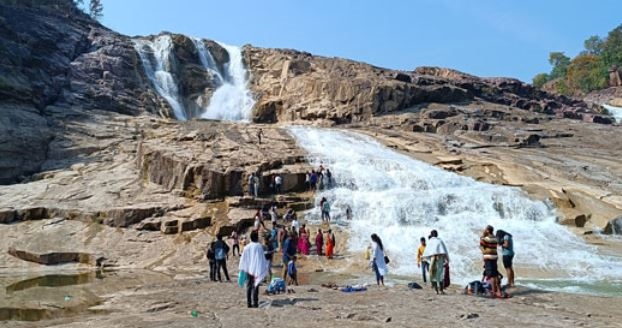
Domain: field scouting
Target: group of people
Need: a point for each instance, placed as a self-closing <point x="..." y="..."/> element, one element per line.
<point x="319" y="179"/>
<point x="276" y="184"/>
<point x="288" y="239"/>
<point x="433" y="258"/>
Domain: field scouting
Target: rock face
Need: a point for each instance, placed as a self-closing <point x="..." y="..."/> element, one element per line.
<point x="292" y="85"/>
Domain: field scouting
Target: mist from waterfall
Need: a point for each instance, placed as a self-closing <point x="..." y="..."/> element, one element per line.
<point x="156" y="59"/>
<point x="402" y="199"/>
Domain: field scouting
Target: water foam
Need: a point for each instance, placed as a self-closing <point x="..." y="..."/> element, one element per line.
<point x="402" y="199"/>
<point x="156" y="58"/>
<point x="616" y="112"/>
<point x="232" y="101"/>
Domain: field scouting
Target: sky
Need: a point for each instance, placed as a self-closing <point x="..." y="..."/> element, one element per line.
<point x="482" y="37"/>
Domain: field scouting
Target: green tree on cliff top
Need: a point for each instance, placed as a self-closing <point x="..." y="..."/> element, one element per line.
<point x="588" y="71"/>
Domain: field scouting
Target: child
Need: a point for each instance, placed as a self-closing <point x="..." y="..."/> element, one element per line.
<point x="292" y="274"/>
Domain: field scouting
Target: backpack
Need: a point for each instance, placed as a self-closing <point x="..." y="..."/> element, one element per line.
<point x="276" y="286"/>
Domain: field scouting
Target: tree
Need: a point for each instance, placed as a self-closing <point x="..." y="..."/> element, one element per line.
<point x="612" y="47"/>
<point x="540" y="79"/>
<point x="560" y="63"/>
<point x="586" y="73"/>
<point x="96" y="9"/>
<point x="593" y="45"/>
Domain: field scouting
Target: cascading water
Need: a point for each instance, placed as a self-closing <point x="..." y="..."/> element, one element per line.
<point x="616" y="112"/>
<point x="207" y="60"/>
<point x="402" y="199"/>
<point x="155" y="56"/>
<point x="232" y="101"/>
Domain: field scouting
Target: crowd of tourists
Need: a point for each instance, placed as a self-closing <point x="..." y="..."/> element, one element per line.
<point x="290" y="240"/>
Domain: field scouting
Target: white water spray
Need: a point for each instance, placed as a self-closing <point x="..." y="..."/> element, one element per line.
<point x="402" y="199"/>
<point x="232" y="101"/>
<point x="156" y="58"/>
<point x="616" y="112"/>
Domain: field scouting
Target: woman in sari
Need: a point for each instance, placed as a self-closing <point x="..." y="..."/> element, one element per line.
<point x="329" y="245"/>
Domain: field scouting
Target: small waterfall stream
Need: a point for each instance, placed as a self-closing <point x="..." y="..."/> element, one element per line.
<point x="156" y="58"/>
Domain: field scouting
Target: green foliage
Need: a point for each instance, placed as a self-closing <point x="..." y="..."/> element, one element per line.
<point x="612" y="47"/>
<point x="593" y="45"/>
<point x="560" y="63"/>
<point x="540" y="79"/>
<point x="587" y="71"/>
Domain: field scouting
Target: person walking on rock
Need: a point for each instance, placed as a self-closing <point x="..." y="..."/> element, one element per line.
<point x="377" y="261"/>
<point x="422" y="262"/>
<point x="255" y="267"/>
<point x="507" y="251"/>
<point x="436" y="253"/>
<point x="325" y="210"/>
<point x="221" y="249"/>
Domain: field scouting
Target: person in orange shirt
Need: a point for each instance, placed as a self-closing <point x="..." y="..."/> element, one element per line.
<point x="421" y="261"/>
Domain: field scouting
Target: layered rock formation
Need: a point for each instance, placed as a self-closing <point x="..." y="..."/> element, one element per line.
<point x="292" y="85"/>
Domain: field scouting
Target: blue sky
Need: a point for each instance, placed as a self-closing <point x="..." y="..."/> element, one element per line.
<point x="481" y="37"/>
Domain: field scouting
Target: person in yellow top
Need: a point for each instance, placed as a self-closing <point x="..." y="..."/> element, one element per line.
<point x="421" y="261"/>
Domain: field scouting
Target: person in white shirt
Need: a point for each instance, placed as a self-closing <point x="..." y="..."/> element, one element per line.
<point x="254" y="264"/>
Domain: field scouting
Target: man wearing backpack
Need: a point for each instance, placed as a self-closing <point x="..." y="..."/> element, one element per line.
<point x="221" y="249"/>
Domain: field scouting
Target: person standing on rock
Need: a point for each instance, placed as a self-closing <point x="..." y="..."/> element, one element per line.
<point x="377" y="262"/>
<point x="278" y="181"/>
<point x="325" y="210"/>
<point x="319" y="242"/>
<point x="329" y="179"/>
<point x="308" y="181"/>
<point x="436" y="253"/>
<point x="422" y="262"/>
<point x="254" y="264"/>
<point x="507" y="251"/>
<point x="235" y="242"/>
<point x="259" y="135"/>
<point x="330" y="243"/>
<point x="488" y="245"/>
<point x="255" y="185"/>
<point x="313" y="180"/>
<point x="251" y="185"/>
<point x="221" y="249"/>
<point x="211" y="260"/>
<point x="289" y="251"/>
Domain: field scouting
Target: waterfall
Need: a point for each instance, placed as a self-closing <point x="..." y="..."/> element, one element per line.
<point x="156" y="58"/>
<point x="616" y="112"/>
<point x="207" y="60"/>
<point x="402" y="199"/>
<point x="232" y="101"/>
